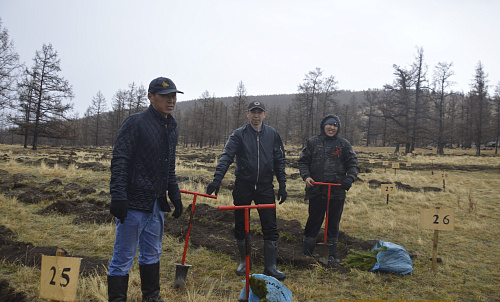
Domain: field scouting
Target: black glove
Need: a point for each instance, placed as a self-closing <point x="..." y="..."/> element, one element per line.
<point x="213" y="186"/>
<point x="178" y="208"/>
<point x="282" y="194"/>
<point x="346" y="184"/>
<point x="118" y="209"/>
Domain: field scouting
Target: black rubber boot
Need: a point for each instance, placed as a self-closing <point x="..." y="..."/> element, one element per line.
<point x="241" y="270"/>
<point x="117" y="288"/>
<point x="333" y="251"/>
<point x="270" y="252"/>
<point x="150" y="282"/>
<point x="308" y="245"/>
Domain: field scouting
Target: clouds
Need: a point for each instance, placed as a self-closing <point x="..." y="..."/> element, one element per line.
<point x="269" y="45"/>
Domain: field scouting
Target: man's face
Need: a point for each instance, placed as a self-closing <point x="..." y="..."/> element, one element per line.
<point x="163" y="103"/>
<point x="331" y="130"/>
<point x="256" y="116"/>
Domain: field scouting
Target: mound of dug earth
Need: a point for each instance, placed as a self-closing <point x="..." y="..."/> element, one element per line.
<point x="214" y="230"/>
<point x="25" y="253"/>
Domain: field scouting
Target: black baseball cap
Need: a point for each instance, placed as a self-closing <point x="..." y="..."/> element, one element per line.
<point x="162" y="85"/>
<point x="256" y="104"/>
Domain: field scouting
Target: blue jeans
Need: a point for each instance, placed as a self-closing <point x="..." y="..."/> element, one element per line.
<point x="140" y="229"/>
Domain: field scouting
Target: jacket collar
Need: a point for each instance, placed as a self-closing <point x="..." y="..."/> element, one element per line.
<point x="261" y="130"/>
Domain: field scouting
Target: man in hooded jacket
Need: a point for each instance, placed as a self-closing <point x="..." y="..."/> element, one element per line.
<point x="326" y="158"/>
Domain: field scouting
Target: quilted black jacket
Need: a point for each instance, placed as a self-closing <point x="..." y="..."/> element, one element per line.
<point x="327" y="159"/>
<point x="143" y="163"/>
<point x="259" y="156"/>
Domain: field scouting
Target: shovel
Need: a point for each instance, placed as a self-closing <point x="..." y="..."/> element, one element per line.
<point x="327" y="204"/>
<point x="181" y="269"/>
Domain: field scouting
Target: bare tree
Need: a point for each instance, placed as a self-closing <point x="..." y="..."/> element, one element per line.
<point x="315" y="98"/>
<point x="139" y="97"/>
<point x="47" y="111"/>
<point x="9" y="67"/>
<point x="202" y="118"/>
<point x="369" y="109"/>
<point x="136" y="98"/>
<point x="496" y="121"/>
<point x="418" y="106"/>
<point x="239" y="105"/>
<point x="118" y="112"/>
<point x="479" y="95"/>
<point x="24" y="107"/>
<point x="441" y="84"/>
<point x="96" y="111"/>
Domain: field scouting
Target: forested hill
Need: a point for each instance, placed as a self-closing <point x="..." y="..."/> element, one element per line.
<point x="279" y="100"/>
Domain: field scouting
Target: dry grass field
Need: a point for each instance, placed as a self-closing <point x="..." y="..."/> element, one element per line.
<point x="469" y="269"/>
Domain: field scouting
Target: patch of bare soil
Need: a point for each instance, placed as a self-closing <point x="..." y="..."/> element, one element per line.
<point x="375" y="184"/>
<point x="10" y="294"/>
<point x="25" y="253"/>
<point x="214" y="230"/>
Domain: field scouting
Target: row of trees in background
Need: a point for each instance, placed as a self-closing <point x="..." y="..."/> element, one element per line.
<point x="417" y="109"/>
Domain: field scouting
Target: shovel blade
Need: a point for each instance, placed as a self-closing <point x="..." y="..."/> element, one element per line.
<point x="181" y="271"/>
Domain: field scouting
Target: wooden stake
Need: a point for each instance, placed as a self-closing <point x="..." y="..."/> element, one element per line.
<point x="435" y="250"/>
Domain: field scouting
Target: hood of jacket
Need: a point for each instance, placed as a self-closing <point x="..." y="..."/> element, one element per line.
<point x="322" y="124"/>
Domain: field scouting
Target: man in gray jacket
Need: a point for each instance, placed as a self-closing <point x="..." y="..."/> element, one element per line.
<point x="326" y="158"/>
<point x="259" y="156"/>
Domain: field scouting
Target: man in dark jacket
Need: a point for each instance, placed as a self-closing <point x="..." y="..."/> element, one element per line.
<point x="326" y="158"/>
<point x="142" y="172"/>
<point x="259" y="156"/>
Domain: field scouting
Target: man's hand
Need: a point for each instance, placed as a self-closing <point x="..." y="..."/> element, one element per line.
<point x="309" y="182"/>
<point x="178" y="208"/>
<point x="118" y="209"/>
<point x="282" y="194"/>
<point x="213" y="186"/>
<point x="346" y="184"/>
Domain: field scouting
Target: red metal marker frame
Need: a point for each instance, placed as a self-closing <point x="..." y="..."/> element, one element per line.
<point x="330" y="185"/>
<point x="191" y="218"/>
<point x="247" y="231"/>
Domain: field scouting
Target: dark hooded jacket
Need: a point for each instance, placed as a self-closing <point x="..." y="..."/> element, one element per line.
<point x="327" y="159"/>
<point x="259" y="156"/>
<point x="143" y="163"/>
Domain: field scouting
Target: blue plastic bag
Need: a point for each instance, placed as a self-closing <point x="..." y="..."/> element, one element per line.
<point x="395" y="259"/>
<point x="276" y="291"/>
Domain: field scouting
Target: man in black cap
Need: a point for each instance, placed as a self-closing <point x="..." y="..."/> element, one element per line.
<point x="142" y="172"/>
<point x="259" y="155"/>
<point x="326" y="158"/>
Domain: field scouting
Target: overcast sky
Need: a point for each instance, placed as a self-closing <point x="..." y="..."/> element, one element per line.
<point x="269" y="45"/>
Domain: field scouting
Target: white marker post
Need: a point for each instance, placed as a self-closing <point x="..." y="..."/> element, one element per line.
<point x="59" y="277"/>
<point x="444" y="176"/>
<point x="437" y="219"/>
<point x="372" y="161"/>
<point x="385" y="164"/>
<point x="395" y="166"/>
<point x="387" y="189"/>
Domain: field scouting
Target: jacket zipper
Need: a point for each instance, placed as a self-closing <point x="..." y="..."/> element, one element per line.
<point x="258" y="160"/>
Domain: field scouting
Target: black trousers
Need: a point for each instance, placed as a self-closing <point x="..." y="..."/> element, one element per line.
<point x="243" y="194"/>
<point x="317" y="212"/>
